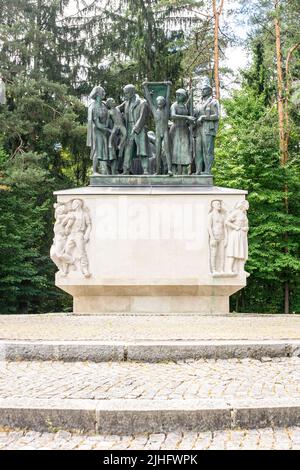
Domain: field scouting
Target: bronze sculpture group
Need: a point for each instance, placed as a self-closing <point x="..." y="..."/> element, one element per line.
<point x="184" y="138"/>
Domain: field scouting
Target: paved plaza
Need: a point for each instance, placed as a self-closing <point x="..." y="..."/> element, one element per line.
<point x="138" y="327"/>
<point x="149" y="382"/>
<point x="258" y="439"/>
<point x="231" y="379"/>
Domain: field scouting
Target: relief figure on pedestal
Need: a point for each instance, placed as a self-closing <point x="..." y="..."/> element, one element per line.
<point x="72" y="232"/>
<point x="137" y="146"/>
<point x="217" y="237"/>
<point x="180" y="134"/>
<point x="207" y="115"/>
<point x="57" y="250"/>
<point x="161" y="114"/>
<point x="98" y="132"/>
<point x="238" y="227"/>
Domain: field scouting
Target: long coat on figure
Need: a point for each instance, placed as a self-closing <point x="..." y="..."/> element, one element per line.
<point x="205" y="135"/>
<point x="97" y="139"/>
<point x="136" y="113"/>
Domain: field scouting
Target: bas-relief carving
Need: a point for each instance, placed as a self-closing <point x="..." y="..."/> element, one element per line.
<point x="71" y="234"/>
<point x="238" y="227"/>
<point x="228" y="238"/>
<point x="217" y="237"/>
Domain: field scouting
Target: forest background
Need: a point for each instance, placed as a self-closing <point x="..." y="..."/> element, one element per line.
<point x="53" y="52"/>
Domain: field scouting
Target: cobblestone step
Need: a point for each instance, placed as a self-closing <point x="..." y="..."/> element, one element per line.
<point x="145" y="351"/>
<point x="132" y="397"/>
<point x="147" y="338"/>
<point x="139" y="416"/>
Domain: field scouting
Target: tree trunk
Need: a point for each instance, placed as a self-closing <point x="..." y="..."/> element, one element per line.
<point x="287" y="95"/>
<point x="216" y="14"/>
<point x="237" y="302"/>
<point x="37" y="44"/>
<point x="286" y="298"/>
<point x="283" y="121"/>
<point x="280" y="86"/>
<point x="217" y="11"/>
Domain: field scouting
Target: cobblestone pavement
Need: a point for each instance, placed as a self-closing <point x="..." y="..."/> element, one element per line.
<point x="231" y="378"/>
<point x="283" y="439"/>
<point x="131" y="328"/>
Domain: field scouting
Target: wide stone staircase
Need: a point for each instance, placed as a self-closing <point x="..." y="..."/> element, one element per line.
<point x="89" y="381"/>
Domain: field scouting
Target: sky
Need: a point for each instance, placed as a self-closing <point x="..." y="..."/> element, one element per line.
<point x="236" y="57"/>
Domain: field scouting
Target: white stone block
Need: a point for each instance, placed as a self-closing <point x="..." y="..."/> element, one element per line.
<point x="148" y="250"/>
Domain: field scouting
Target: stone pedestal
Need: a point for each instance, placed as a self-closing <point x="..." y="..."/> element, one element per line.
<point x="148" y="250"/>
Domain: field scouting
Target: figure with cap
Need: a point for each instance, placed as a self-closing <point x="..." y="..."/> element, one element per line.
<point x="137" y="145"/>
<point x="180" y="134"/>
<point x="208" y="115"/>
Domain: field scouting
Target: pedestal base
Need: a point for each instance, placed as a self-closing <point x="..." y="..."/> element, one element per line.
<point x="148" y="251"/>
<point x="172" y="305"/>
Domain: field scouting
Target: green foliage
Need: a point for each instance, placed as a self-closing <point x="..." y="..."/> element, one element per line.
<point x="32" y="39"/>
<point x="3" y="156"/>
<point x="39" y="114"/>
<point x="248" y="157"/>
<point x="26" y="231"/>
<point x="128" y="41"/>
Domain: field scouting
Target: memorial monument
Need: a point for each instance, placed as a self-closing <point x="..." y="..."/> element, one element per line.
<point x="147" y="235"/>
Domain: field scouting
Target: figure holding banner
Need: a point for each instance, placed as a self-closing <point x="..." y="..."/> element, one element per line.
<point x="160" y="108"/>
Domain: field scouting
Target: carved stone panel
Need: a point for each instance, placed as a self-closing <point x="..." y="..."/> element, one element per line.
<point x="228" y="238"/>
<point x="217" y="237"/>
<point x="237" y="246"/>
<point x="71" y="234"/>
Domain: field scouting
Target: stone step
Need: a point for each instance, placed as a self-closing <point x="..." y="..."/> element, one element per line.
<point x="133" y="397"/>
<point x="121" y="416"/>
<point x="147" y="338"/>
<point x="145" y="351"/>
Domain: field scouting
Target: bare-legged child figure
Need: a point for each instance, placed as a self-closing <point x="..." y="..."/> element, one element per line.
<point x="118" y="129"/>
<point x="161" y="114"/>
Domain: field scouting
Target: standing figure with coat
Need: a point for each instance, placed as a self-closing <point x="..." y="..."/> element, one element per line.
<point x="208" y="115"/>
<point x="136" y="112"/>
